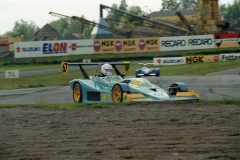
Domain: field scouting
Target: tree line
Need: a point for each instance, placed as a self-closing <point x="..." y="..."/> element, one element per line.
<point x="116" y="19"/>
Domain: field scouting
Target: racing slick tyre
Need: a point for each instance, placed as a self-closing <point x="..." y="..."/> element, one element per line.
<point x="117" y="93"/>
<point x="173" y="89"/>
<point x="77" y="93"/>
<point x="157" y="75"/>
<point x="137" y="76"/>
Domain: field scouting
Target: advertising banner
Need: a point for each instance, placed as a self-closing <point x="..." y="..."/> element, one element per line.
<point x="169" y="61"/>
<point x="230" y="57"/>
<point x="52" y="48"/>
<point x="12" y="74"/>
<point x="202" y="59"/>
<point x="102" y="46"/>
<point x="226" y="40"/>
<point x="186" y="42"/>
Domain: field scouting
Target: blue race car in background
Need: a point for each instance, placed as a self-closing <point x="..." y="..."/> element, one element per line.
<point x="145" y="71"/>
<point x="117" y="88"/>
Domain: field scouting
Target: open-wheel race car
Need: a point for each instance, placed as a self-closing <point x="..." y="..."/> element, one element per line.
<point x="145" y="71"/>
<point x="116" y="88"/>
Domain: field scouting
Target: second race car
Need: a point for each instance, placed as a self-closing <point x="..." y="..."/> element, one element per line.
<point x="145" y="71"/>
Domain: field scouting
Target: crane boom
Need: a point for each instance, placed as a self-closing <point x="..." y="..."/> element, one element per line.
<point x="85" y="21"/>
<point x="127" y="34"/>
<point x="168" y="27"/>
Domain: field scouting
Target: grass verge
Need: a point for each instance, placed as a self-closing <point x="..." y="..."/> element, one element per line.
<point x="59" y="79"/>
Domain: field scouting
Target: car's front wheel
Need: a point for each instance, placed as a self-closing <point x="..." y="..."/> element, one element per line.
<point x="77" y="93"/>
<point x="137" y="76"/>
<point x="117" y="93"/>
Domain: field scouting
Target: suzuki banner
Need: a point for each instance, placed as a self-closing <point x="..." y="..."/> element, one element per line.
<point x="52" y="48"/>
<point x="169" y="61"/>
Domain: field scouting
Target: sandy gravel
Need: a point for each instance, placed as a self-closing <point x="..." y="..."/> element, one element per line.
<point x="140" y="132"/>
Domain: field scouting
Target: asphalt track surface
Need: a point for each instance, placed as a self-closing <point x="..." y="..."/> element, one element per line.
<point x="215" y="86"/>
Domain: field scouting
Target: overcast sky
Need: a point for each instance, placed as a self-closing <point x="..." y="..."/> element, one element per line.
<point x="38" y="10"/>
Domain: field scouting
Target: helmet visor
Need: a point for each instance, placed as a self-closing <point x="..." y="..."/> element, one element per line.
<point x="108" y="70"/>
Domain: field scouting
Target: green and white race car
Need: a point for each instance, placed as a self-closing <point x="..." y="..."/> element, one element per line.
<point x="117" y="88"/>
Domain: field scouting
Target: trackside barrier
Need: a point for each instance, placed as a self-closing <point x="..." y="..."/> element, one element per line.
<point x="230" y="57"/>
<point x="186" y="60"/>
<point x="52" y="48"/>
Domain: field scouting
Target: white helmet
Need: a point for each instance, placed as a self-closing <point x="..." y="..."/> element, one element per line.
<point x="106" y="69"/>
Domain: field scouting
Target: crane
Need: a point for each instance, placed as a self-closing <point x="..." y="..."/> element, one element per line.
<point x="168" y="29"/>
<point x="122" y="32"/>
<point x="85" y="21"/>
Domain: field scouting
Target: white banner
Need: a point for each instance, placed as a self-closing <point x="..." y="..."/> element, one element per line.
<point x="52" y="48"/>
<point x="186" y="42"/>
<point x="169" y="61"/>
<point x="12" y="74"/>
<point x="230" y="57"/>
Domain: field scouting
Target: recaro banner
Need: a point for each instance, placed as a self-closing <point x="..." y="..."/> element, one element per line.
<point x="102" y="46"/>
<point x="186" y="42"/>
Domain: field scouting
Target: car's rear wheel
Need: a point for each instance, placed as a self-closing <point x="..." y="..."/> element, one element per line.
<point x="157" y="75"/>
<point x="77" y="93"/>
<point x="117" y="93"/>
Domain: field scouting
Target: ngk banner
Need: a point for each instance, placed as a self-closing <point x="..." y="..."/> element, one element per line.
<point x="102" y="46"/>
<point x="169" y="61"/>
<point x="52" y="48"/>
<point x="186" y="42"/>
<point x="202" y="59"/>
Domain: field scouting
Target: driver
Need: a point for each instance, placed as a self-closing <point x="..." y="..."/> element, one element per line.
<point x="106" y="70"/>
<point x="144" y="65"/>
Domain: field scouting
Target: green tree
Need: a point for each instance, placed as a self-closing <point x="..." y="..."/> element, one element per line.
<point x="60" y="26"/>
<point x="170" y="5"/>
<point x="136" y="10"/>
<point x="87" y="31"/>
<point x="224" y="12"/>
<point x="23" y="28"/>
<point x="187" y="4"/>
<point x="230" y="11"/>
<point x="67" y="27"/>
<point x="113" y="17"/>
<point x="123" y="5"/>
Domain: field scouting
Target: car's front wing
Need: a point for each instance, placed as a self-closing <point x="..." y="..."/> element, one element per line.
<point x="180" y="96"/>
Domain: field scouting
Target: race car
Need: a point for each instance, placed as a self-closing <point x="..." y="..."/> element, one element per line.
<point x="145" y="71"/>
<point x="117" y="88"/>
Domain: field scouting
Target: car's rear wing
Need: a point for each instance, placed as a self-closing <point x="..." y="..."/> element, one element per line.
<point x="85" y="75"/>
<point x="146" y="63"/>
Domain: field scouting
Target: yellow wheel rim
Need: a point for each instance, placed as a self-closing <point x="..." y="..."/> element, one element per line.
<point x="76" y="94"/>
<point x="116" y="94"/>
